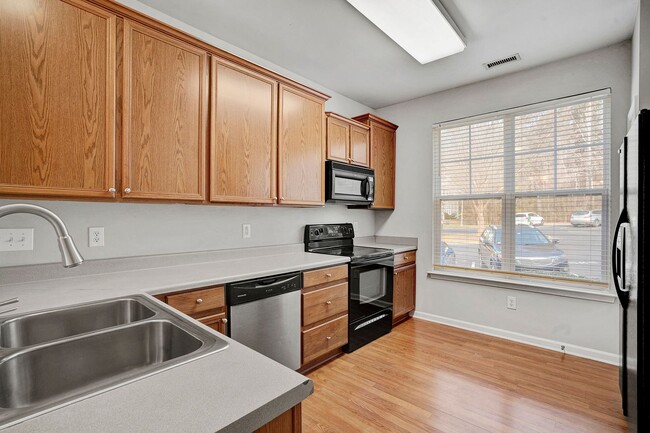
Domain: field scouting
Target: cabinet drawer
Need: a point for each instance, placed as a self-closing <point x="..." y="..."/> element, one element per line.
<point x="323" y="303"/>
<point x="198" y="301"/>
<point x="404" y="258"/>
<point x="321" y="339"/>
<point x="323" y="276"/>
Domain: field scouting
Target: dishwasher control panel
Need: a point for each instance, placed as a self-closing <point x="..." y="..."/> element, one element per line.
<point x="260" y="288"/>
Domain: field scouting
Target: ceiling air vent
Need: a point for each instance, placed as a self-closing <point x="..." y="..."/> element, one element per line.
<point x="495" y="63"/>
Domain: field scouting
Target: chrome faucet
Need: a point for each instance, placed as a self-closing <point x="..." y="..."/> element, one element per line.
<point x="69" y="254"/>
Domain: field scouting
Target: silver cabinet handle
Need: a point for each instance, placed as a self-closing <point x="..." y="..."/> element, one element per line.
<point x="328" y="302"/>
<point x="328" y="275"/>
<point x="111" y="190"/>
<point x="127" y="190"/>
<point x="328" y="338"/>
<point x="199" y="301"/>
<point x="224" y="320"/>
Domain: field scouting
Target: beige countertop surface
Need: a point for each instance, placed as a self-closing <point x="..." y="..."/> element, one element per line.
<point x="235" y="390"/>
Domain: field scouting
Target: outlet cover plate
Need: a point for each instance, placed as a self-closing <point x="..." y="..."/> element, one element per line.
<point x="96" y="236"/>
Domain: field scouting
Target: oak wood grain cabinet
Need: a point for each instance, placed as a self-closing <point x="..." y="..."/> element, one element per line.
<point x="288" y="422"/>
<point x="243" y="137"/>
<point x="347" y="140"/>
<point x="207" y="305"/>
<point x="382" y="158"/>
<point x="301" y="149"/>
<point x="404" y="282"/>
<point x="57" y="103"/>
<point x="164" y="112"/>
<point x="324" y="315"/>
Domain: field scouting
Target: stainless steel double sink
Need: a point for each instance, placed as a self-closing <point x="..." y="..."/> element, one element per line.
<point x="55" y="357"/>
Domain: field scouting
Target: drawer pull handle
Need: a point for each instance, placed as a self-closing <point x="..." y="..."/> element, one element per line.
<point x="328" y="338"/>
<point x="199" y="301"/>
<point x="328" y="275"/>
<point x="328" y="302"/>
<point x="224" y="320"/>
<point x="406" y="257"/>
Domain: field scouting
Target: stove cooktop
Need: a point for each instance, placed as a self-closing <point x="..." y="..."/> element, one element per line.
<point x="355" y="252"/>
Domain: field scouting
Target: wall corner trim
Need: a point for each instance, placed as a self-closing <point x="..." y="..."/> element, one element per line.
<point x="571" y="349"/>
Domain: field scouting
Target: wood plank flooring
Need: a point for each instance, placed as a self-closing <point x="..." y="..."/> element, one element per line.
<point x="425" y="377"/>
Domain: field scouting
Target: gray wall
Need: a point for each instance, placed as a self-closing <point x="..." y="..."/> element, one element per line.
<point x="141" y="229"/>
<point x="590" y="324"/>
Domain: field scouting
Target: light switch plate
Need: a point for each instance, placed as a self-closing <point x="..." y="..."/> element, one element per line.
<point x="16" y="239"/>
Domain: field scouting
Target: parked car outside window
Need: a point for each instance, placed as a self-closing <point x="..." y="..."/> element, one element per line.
<point x="533" y="250"/>
<point x="530" y="218"/>
<point x="592" y="218"/>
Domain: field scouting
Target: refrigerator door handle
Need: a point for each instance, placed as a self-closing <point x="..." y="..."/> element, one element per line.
<point x="618" y="260"/>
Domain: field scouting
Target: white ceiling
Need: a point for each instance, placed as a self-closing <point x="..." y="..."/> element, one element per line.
<point x="329" y="42"/>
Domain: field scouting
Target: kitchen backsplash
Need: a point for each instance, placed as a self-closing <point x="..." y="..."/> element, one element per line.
<point x="143" y="229"/>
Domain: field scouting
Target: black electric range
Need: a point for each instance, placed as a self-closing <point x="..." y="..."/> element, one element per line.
<point x="370" y="282"/>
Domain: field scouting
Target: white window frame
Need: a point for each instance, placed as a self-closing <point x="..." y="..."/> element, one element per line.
<point x="554" y="286"/>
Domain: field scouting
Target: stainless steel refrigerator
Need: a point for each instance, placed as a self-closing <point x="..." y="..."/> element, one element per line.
<point x="630" y="248"/>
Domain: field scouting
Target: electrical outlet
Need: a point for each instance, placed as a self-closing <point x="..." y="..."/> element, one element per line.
<point x="16" y="239"/>
<point x="96" y="236"/>
<point x="246" y="231"/>
<point x="512" y="303"/>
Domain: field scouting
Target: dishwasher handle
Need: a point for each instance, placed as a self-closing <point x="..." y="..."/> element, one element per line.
<point x="253" y="290"/>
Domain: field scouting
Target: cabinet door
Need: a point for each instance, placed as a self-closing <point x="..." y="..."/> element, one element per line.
<point x="359" y="146"/>
<point x="338" y="140"/>
<point x="164" y="116"/>
<point x="57" y="103"/>
<point x="301" y="148"/>
<point x="243" y="148"/>
<point x="217" y="322"/>
<point x="382" y="159"/>
<point x="403" y="291"/>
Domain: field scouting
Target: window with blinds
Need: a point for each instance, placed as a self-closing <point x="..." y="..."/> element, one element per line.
<point x="525" y="192"/>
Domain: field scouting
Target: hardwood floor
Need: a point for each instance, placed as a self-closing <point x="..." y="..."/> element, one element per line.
<point x="425" y="377"/>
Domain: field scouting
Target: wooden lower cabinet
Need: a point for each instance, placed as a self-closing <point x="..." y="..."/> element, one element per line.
<point x="289" y="422"/>
<point x="321" y="339"/>
<point x="404" y="282"/>
<point x="324" y="315"/>
<point x="207" y="305"/>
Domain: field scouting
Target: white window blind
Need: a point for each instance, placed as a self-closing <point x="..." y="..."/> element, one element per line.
<point x="525" y="192"/>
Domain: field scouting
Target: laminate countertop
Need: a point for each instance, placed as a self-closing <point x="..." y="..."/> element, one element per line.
<point x="235" y="390"/>
<point x="397" y="244"/>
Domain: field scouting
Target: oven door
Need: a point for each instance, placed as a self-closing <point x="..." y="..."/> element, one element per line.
<point x="371" y="287"/>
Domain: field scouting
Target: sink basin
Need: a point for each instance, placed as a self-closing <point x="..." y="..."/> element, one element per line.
<point x="79" y="364"/>
<point x="52" y="325"/>
<point x="53" y="358"/>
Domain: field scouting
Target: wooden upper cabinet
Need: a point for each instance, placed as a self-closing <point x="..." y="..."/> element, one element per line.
<point x="338" y="139"/>
<point x="347" y="140"/>
<point x="301" y="148"/>
<point x="243" y="140"/>
<point x="57" y="103"/>
<point x="382" y="159"/>
<point x="164" y="116"/>
<point x="359" y="146"/>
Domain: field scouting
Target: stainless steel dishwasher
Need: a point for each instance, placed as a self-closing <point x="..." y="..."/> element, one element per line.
<point x="264" y="314"/>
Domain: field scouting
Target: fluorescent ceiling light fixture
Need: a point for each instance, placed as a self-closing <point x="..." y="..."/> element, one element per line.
<point x="421" y="27"/>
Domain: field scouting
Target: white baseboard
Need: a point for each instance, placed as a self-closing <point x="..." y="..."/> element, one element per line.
<point x="583" y="352"/>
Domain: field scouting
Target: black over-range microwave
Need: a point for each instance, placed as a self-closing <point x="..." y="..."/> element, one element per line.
<point x="349" y="184"/>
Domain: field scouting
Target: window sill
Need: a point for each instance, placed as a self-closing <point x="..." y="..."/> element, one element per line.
<point x="537" y="287"/>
